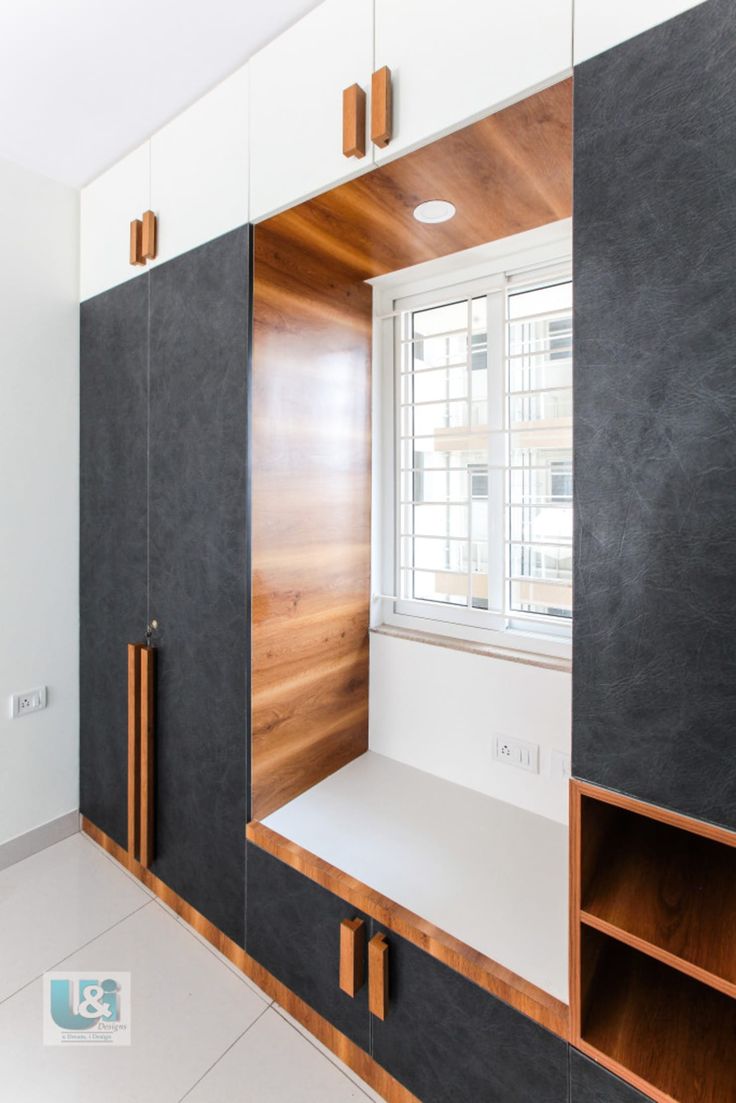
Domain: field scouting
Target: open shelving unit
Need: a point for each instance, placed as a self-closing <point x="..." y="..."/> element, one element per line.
<point x="653" y="946"/>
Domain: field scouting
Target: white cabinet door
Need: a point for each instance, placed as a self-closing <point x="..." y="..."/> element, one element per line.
<point x="107" y="208"/>
<point x="599" y="26"/>
<point x="454" y="62"/>
<point x="199" y="169"/>
<point x="296" y="104"/>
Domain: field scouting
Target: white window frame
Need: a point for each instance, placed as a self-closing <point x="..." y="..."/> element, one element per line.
<point x="538" y="255"/>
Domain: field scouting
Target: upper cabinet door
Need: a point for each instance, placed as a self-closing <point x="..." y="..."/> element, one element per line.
<point x="108" y="205"/>
<point x="599" y="26"/>
<point x="452" y="63"/>
<point x="296" y="104"/>
<point x="199" y="169"/>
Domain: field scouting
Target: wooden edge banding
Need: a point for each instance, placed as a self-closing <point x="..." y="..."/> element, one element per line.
<point x="654" y="812"/>
<point x="353" y="121"/>
<point x="481" y="970"/>
<point x="134" y="748"/>
<point x="575" y="873"/>
<point x="352" y="956"/>
<point x="147" y="659"/>
<point x="381" y="107"/>
<point x="149" y="236"/>
<point x="343" y="1048"/>
<point x="378" y="976"/>
<point x="136" y="242"/>
<point x="625" y="1074"/>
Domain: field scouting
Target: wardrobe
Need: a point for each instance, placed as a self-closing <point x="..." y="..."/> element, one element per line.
<point x="225" y="522"/>
<point x="164" y="550"/>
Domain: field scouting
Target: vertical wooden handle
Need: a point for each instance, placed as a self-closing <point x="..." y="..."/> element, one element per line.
<point x="352" y="956"/>
<point x="149" y="236"/>
<point x="147" y="657"/>
<point x="381" y="107"/>
<point x="353" y="121"/>
<point x="136" y="242"/>
<point x="378" y="976"/>
<point x="134" y="748"/>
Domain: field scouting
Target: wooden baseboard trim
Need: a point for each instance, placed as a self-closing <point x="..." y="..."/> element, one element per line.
<point x="347" y="1051"/>
<point x="483" y="971"/>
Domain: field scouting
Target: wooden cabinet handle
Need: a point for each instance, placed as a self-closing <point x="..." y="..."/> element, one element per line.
<point x="136" y="242"/>
<point x="352" y="956"/>
<point x="134" y="748"/>
<point x="378" y="976"/>
<point x="147" y="663"/>
<point x="381" y="107"/>
<point x="149" y="236"/>
<point x="353" y="121"/>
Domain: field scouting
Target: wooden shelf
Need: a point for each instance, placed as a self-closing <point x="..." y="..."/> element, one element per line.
<point x="657" y="1027"/>
<point x="653" y="946"/>
<point x="667" y="892"/>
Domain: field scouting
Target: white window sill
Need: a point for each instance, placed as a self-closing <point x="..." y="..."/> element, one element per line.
<point x="519" y="649"/>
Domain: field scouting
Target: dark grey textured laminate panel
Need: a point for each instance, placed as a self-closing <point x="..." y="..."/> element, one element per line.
<point x="199" y="320"/>
<point x="654" y="682"/>
<point x="449" y="1041"/>
<point x="112" y="552"/>
<point x="590" y="1083"/>
<point x="294" y="932"/>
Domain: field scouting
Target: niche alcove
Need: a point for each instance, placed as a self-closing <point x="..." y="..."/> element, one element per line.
<point x="319" y="795"/>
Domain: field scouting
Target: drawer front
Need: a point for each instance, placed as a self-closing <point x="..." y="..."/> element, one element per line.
<point x="293" y="931"/>
<point x="590" y="1083"/>
<point x="449" y="1041"/>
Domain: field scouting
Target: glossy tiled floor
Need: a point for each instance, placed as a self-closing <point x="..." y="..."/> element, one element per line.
<point x="200" y="1031"/>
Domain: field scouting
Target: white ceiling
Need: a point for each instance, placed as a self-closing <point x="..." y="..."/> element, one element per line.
<point x="84" y="81"/>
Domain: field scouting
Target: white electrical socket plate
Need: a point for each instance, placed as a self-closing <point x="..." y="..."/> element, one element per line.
<point x="516" y="752"/>
<point x="31" y="700"/>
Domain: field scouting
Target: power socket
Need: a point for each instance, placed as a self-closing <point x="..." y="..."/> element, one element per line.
<point x="516" y="752"/>
<point x="32" y="700"/>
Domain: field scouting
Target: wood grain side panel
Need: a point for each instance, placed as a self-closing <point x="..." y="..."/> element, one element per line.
<point x="482" y="970"/>
<point x="311" y="518"/>
<point x="134" y="748"/>
<point x="336" y="1042"/>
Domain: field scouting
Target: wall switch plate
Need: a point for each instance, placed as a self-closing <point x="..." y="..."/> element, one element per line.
<point x="561" y="765"/>
<point x="516" y="752"/>
<point x="32" y="700"/>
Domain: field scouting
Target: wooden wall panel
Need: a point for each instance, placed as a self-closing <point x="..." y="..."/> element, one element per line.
<point x="311" y="488"/>
<point x="311" y="518"/>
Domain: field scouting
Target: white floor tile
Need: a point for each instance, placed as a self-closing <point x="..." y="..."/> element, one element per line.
<point x="187" y="1009"/>
<point x="273" y="1063"/>
<point x="220" y="957"/>
<point x="366" y="1088"/>
<point x="54" y="902"/>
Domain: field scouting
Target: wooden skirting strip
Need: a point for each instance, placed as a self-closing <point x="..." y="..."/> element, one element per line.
<point x="354" y="1057"/>
<point x="483" y="971"/>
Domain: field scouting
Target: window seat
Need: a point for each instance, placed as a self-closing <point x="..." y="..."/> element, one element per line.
<point x="478" y="883"/>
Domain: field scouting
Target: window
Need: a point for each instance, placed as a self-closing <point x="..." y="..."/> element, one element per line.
<point x="482" y="457"/>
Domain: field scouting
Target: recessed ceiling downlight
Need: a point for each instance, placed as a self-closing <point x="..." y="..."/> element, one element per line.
<point x="434" y="210"/>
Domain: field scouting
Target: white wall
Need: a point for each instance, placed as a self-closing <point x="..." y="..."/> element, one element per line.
<point x="438" y="709"/>
<point x="39" y="475"/>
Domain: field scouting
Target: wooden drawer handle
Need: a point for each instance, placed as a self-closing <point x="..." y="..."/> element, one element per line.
<point x="378" y="976"/>
<point x="352" y="956"/>
<point x="147" y="754"/>
<point x="353" y="121"/>
<point x="381" y="107"/>
<point x="149" y="236"/>
<point x="136" y="242"/>
<point x="134" y="748"/>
